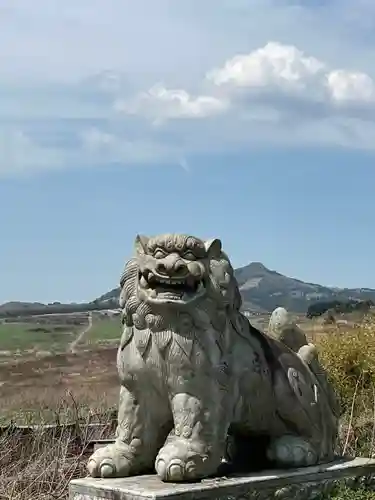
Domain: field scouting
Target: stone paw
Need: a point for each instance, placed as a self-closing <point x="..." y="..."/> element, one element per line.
<point x="292" y="451"/>
<point x="114" y="460"/>
<point x="180" y="460"/>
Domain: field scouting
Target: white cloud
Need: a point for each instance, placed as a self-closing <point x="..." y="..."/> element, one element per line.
<point x="273" y="81"/>
<point x="22" y="155"/>
<point x="95" y="140"/>
<point x="285" y="67"/>
<point x="160" y="103"/>
<point x="273" y="64"/>
<point x="75" y="74"/>
<point x="100" y="148"/>
<point x="19" y="154"/>
<point x="350" y="86"/>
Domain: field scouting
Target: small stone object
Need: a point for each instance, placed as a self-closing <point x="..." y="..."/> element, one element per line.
<point x="193" y="371"/>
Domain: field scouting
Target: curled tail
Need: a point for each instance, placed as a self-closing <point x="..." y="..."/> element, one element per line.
<point x="283" y="328"/>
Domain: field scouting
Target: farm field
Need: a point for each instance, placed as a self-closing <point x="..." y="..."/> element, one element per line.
<point x="17" y="339"/>
<point x="39" y="371"/>
<point x="37" y="390"/>
<point x="104" y="329"/>
<point x="53" y="334"/>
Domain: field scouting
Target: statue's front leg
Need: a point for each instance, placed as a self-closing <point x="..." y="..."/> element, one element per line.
<point x="195" y="447"/>
<point x="140" y="426"/>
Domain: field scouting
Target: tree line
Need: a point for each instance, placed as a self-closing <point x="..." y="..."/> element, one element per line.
<point x="338" y="306"/>
<point x="58" y="308"/>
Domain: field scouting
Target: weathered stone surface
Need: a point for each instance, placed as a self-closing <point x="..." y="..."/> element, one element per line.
<point x="300" y="484"/>
<point x="282" y="327"/>
<point x="194" y="371"/>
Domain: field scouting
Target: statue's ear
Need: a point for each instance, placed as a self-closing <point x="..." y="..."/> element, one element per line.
<point x="213" y="248"/>
<point x="140" y="244"/>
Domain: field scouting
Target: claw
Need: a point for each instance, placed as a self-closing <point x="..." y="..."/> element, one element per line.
<point x="110" y="461"/>
<point x="92" y="468"/>
<point x="177" y="461"/>
<point x="176" y="471"/>
<point x="107" y="470"/>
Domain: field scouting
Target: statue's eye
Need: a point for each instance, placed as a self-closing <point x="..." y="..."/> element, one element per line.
<point x="188" y="256"/>
<point x="160" y="254"/>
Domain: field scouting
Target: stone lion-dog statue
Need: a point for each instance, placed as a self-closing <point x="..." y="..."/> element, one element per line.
<point x="194" y="372"/>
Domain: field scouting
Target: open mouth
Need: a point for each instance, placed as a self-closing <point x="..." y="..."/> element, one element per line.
<point x="156" y="288"/>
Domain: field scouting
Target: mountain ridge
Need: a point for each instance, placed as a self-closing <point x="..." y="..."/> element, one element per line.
<point x="262" y="290"/>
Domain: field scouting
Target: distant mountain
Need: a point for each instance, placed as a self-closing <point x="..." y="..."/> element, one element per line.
<point x="269" y="289"/>
<point x="16" y="306"/>
<point x="261" y="288"/>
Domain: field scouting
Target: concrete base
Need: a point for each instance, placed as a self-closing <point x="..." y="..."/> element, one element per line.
<point x="297" y="484"/>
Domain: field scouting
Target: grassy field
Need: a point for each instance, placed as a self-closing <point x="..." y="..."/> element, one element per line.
<point x="22" y="337"/>
<point x="50" y="335"/>
<point x="38" y="372"/>
<point x="104" y="329"/>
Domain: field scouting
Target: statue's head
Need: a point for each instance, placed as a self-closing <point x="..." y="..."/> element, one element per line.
<point x="177" y="273"/>
<point x="173" y="269"/>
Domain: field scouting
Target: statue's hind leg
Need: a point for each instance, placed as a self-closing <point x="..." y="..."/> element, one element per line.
<point x="292" y="451"/>
<point x="305" y="410"/>
<point x="142" y="428"/>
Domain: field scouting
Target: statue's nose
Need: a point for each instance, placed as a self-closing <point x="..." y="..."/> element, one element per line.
<point x="171" y="266"/>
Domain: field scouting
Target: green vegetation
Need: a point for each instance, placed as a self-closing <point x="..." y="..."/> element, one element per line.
<point x="105" y="329"/>
<point x="21" y="309"/>
<point x="53" y="334"/>
<point x="339" y="306"/>
<point x="350" y="494"/>
<point x="349" y="357"/>
<point x="34" y="336"/>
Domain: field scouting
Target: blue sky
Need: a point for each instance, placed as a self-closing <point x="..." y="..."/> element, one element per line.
<point x="252" y="121"/>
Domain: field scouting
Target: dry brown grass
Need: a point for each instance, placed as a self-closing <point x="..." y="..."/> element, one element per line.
<point x="39" y="464"/>
<point x="76" y="388"/>
<point x="37" y="386"/>
<point x="37" y="467"/>
<point x="348" y="354"/>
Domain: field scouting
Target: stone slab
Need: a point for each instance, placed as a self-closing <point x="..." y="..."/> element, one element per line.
<point x="260" y="486"/>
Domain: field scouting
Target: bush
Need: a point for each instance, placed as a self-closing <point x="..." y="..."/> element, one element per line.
<point x="349" y="494"/>
<point x="349" y="358"/>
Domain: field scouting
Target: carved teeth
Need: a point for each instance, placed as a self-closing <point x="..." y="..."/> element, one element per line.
<point x="170" y="281"/>
<point x="148" y="280"/>
<point x="143" y="282"/>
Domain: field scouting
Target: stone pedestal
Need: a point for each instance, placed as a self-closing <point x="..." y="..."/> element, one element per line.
<point x="296" y="484"/>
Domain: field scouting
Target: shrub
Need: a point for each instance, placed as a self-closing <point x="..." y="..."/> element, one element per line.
<point x="349" y="357"/>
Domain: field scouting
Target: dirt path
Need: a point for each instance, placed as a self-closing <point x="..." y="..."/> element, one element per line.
<point x="81" y="335"/>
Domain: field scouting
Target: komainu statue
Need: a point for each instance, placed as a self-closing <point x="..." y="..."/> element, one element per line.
<point x="196" y="375"/>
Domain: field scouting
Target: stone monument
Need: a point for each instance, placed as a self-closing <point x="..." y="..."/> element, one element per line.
<point x="200" y="384"/>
